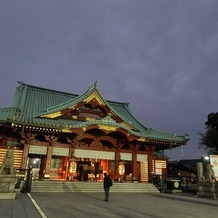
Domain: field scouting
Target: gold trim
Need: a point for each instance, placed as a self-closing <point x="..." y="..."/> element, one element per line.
<point x="96" y="97"/>
<point x="66" y="130"/>
<point x="52" y="115"/>
<point x="89" y="118"/>
<point x="108" y="128"/>
<point x="141" y="139"/>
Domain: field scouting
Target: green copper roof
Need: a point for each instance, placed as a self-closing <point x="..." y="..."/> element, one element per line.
<point x="31" y="102"/>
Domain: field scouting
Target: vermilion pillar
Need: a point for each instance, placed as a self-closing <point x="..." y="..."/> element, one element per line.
<point x="150" y="162"/>
<point x="150" y="166"/>
<point x="25" y="156"/>
<point x="117" y="158"/>
<point x="48" y="162"/>
<point x="4" y="139"/>
<point x="42" y="167"/>
<point x="134" y="166"/>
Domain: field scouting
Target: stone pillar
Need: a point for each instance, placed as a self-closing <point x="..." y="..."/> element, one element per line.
<point x="7" y="186"/>
<point x="200" y="171"/>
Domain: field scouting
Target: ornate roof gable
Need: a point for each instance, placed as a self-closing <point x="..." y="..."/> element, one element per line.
<point x="85" y="107"/>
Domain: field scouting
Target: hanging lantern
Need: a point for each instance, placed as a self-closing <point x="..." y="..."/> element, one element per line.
<point x="121" y="167"/>
<point x="73" y="166"/>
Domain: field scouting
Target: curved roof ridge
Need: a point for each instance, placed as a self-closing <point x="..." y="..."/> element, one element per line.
<point x="8" y="113"/>
<point x="128" y="109"/>
<point x="137" y="125"/>
<point x="94" y="85"/>
<point x="9" y="108"/>
<point x="118" y="102"/>
<point x="174" y="135"/>
<point x="71" y="101"/>
<point x="45" y="89"/>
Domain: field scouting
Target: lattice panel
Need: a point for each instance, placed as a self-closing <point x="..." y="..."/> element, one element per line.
<point x="161" y="164"/>
<point x="142" y="157"/>
<point x="144" y="171"/>
<point x="35" y="149"/>
<point x="126" y="156"/>
<point x="60" y="151"/>
<point x="158" y="166"/>
<point x="17" y="157"/>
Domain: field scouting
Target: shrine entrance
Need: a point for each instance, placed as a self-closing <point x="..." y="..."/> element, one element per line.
<point x="37" y="164"/>
<point x="58" y="168"/>
<point x="84" y="170"/>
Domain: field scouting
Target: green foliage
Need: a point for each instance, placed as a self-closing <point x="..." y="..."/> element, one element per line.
<point x="209" y="139"/>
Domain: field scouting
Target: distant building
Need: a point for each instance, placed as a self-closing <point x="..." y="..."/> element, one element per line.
<point x="183" y="168"/>
<point x="78" y="137"/>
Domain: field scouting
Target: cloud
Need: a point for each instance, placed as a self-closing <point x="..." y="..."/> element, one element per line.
<point x="161" y="56"/>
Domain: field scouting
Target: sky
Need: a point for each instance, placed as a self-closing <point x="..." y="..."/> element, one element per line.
<point x="160" y="56"/>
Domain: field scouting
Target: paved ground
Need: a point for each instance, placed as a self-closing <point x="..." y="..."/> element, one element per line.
<point x="21" y="207"/>
<point x="125" y="205"/>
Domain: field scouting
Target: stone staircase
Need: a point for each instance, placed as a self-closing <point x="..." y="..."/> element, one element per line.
<point x="63" y="186"/>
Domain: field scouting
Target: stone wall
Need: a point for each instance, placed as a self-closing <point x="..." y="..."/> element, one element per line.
<point x="208" y="189"/>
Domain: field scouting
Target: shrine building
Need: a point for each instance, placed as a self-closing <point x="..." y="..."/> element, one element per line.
<point x="64" y="136"/>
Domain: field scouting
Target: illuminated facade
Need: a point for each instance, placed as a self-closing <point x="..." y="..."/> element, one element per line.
<point x="78" y="137"/>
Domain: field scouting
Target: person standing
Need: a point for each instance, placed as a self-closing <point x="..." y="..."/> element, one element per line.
<point x="107" y="184"/>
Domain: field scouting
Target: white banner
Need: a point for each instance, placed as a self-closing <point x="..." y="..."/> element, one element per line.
<point x="34" y="149"/>
<point x="142" y="157"/>
<point x="60" y="151"/>
<point x="94" y="154"/>
<point x="126" y="156"/>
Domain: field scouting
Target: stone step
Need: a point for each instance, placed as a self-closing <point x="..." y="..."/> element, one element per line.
<point x="57" y="186"/>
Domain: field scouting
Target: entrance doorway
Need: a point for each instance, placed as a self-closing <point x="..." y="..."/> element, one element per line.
<point x="86" y="169"/>
<point x="58" y="169"/>
<point x="37" y="163"/>
<point x="34" y="163"/>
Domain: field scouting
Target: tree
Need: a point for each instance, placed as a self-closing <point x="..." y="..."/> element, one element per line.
<point x="209" y="139"/>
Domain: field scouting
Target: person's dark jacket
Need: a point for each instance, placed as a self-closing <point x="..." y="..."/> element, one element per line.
<point x="107" y="182"/>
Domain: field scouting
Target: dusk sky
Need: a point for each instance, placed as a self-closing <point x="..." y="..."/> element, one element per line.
<point x="161" y="56"/>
